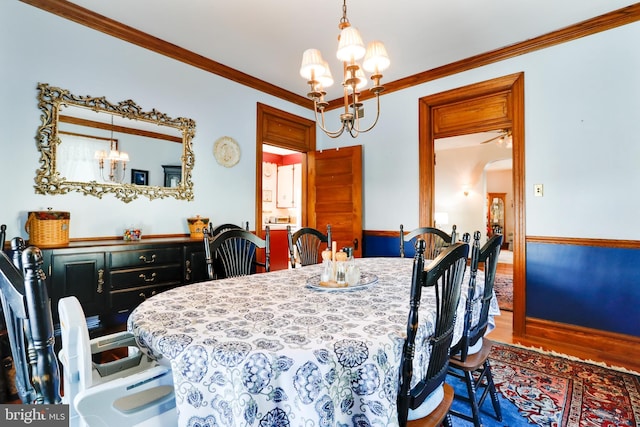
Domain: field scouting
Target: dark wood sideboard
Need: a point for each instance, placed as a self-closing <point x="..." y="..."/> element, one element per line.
<point x="111" y="277"/>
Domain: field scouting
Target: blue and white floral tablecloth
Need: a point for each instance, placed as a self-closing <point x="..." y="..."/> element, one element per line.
<point x="267" y="350"/>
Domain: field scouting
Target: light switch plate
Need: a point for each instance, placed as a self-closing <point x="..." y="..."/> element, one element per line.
<point x="537" y="190"/>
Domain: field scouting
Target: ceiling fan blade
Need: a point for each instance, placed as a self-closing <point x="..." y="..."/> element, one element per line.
<point x="492" y="139"/>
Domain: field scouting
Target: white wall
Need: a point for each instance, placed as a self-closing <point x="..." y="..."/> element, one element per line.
<point x="581" y="126"/>
<point x="36" y="46"/>
<point x="582" y="104"/>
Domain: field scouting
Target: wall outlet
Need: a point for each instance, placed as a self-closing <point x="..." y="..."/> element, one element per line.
<point x="537" y="190"/>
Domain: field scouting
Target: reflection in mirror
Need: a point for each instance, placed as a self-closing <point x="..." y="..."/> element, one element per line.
<point x="94" y="147"/>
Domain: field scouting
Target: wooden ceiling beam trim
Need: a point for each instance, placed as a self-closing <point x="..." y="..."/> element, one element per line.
<point x="80" y="15"/>
<point x="88" y="18"/>
<point x="617" y="18"/>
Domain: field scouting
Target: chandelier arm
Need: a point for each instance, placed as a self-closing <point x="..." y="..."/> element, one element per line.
<point x="374" y="123"/>
<point x="320" y="123"/>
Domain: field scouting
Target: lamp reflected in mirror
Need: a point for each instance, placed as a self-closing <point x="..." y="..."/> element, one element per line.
<point x="117" y="160"/>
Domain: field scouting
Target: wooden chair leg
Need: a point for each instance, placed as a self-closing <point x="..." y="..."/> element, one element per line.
<point x="492" y="390"/>
<point x="472" y="392"/>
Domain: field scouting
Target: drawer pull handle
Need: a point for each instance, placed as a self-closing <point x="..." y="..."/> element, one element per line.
<point x="146" y="261"/>
<point x="144" y="297"/>
<point x="148" y="279"/>
<point x="100" y="281"/>
<point x="187" y="276"/>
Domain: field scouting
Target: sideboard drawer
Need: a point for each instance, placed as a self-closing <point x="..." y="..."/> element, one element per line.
<point x="147" y="276"/>
<point x="125" y="301"/>
<point x="145" y="257"/>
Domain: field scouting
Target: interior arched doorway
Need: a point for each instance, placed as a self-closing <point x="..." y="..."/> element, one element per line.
<point x="484" y="106"/>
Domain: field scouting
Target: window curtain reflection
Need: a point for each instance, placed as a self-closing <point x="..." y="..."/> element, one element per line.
<point x="75" y="157"/>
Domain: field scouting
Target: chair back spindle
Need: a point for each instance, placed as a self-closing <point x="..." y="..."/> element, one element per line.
<point x="3" y="235"/>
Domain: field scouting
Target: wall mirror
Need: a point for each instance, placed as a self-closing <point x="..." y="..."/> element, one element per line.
<point x="94" y="147"/>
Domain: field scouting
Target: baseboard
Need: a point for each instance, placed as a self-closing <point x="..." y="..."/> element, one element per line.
<point x="601" y="346"/>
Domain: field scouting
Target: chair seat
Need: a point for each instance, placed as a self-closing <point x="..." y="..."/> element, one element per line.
<point x="439" y="414"/>
<point x="474" y="361"/>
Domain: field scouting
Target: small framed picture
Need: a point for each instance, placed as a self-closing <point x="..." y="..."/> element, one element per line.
<point x="139" y="177"/>
<point x="267" y="196"/>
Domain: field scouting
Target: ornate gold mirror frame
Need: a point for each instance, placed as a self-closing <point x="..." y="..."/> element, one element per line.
<point x="49" y="179"/>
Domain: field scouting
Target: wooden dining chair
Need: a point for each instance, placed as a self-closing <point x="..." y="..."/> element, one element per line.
<point x="305" y="245"/>
<point x="233" y="253"/>
<point x="224" y="227"/>
<point x="428" y="400"/>
<point x="470" y="356"/>
<point x="434" y="238"/>
<point x="27" y="314"/>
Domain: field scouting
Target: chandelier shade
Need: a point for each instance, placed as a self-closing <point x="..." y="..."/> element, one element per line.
<point x="326" y="79"/>
<point x="351" y="49"/>
<point x="312" y="64"/>
<point x="376" y="59"/>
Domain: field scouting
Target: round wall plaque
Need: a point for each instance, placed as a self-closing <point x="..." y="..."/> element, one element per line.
<point x="226" y="151"/>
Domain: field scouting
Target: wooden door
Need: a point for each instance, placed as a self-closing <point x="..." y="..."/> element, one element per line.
<point x="335" y="194"/>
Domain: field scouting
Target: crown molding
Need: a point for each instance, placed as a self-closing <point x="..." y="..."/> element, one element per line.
<point x="80" y="15"/>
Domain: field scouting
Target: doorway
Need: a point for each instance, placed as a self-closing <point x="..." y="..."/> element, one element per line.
<point x="281" y="199"/>
<point x="485" y="106"/>
<point x="282" y="143"/>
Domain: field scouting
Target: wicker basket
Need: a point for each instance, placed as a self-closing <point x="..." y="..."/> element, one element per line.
<point x="197" y="226"/>
<point x="48" y="228"/>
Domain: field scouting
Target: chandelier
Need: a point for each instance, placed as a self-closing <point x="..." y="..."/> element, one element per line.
<point x="350" y="50"/>
<point x="117" y="160"/>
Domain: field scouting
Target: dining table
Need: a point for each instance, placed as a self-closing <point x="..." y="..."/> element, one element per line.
<point x="280" y="349"/>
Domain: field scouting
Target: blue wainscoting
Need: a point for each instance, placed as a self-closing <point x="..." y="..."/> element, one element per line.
<point x="386" y="246"/>
<point x="594" y="287"/>
<point x="591" y="286"/>
<point x="383" y="246"/>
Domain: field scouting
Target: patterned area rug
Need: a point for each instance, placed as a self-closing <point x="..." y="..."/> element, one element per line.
<point x="503" y="287"/>
<point x="541" y="389"/>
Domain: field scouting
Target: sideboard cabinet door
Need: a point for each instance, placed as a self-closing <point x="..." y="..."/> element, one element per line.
<point x="82" y="275"/>
<point x="195" y="266"/>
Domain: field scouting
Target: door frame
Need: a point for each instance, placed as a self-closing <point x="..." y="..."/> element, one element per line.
<point x="449" y="114"/>
<point x="285" y="130"/>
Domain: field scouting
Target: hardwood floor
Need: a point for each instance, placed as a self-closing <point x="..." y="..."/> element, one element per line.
<point x="504" y="333"/>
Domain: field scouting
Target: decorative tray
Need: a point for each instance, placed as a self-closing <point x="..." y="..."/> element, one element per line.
<point x="366" y="280"/>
